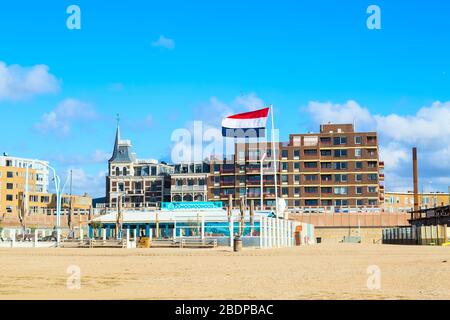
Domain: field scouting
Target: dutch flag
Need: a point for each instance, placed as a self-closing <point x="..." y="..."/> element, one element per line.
<point x="246" y="125"/>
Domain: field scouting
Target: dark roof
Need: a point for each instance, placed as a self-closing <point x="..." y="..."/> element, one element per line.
<point x="122" y="152"/>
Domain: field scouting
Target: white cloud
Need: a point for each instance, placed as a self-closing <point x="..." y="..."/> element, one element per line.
<point x="17" y="82"/>
<point x="163" y="42"/>
<point x="82" y="182"/>
<point x="64" y="115"/>
<point x="428" y="129"/>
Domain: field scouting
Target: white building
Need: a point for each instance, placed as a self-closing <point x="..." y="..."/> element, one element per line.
<point x="42" y="174"/>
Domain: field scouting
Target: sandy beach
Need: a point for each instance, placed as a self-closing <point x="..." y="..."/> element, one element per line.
<point x="315" y="272"/>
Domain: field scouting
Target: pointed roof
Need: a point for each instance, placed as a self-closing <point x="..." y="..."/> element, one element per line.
<point x="122" y="150"/>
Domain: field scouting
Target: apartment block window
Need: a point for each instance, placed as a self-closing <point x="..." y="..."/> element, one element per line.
<point x="358" y="153"/>
<point x="372" y="177"/>
<point x="358" y="165"/>
<point x="339" y="141"/>
<point x="310" y="165"/>
<point x="341" y="203"/>
<point x="284" y="166"/>
<point x="296" y="166"/>
<point x="9" y="186"/>
<point x="9" y="197"/>
<point x="216" y="193"/>
<point x="284" y="178"/>
<point x="325" y="153"/>
<point x="297" y="203"/>
<point x="311" y="202"/>
<point x="359" y="190"/>
<point x="297" y="154"/>
<point x="285" y="191"/>
<point x="358" y="177"/>
<point x="371" y="139"/>
<point x="372" y="164"/>
<point x="341" y="190"/>
<point x="10" y="174"/>
<point x="297" y="191"/>
<point x="297" y="178"/>
<point x="340" y="166"/>
<point x="327" y="190"/>
<point x="327" y="203"/>
<point x="373" y="202"/>
<point x="358" y="140"/>
<point x="311" y="190"/>
<point x="340" y="178"/>
<point x="310" y="177"/>
<point x="325" y="140"/>
<point x="359" y="202"/>
<point x="340" y="153"/>
<point x="327" y="177"/>
<point x="326" y="165"/>
<point x="284" y="153"/>
<point x="310" y="152"/>
<point x="373" y="190"/>
<point x="372" y="152"/>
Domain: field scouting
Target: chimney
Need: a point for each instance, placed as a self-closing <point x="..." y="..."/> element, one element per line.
<point x="416" y="183"/>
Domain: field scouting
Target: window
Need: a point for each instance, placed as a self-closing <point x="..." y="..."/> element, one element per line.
<point x="372" y="190"/>
<point x="327" y="177"/>
<point x="358" y="153"/>
<point x="340" y="165"/>
<point x="339" y="141"/>
<point x="296" y="178"/>
<point x="310" y="177"/>
<point x="285" y="191"/>
<point x="340" y="178"/>
<point x="340" y="153"/>
<point x="341" y="190"/>
<point x="373" y="202"/>
<point x="9" y="197"/>
<point x="358" y="140"/>
<point x="326" y="190"/>
<point x="325" y="153"/>
<point x="340" y="203"/>
<point x="296" y="191"/>
<point x="326" y="165"/>
<point x="372" y="177"/>
<point x="297" y="154"/>
<point x="311" y="190"/>
<point x="358" y="165"/>
<point x="310" y="165"/>
<point x="325" y="140"/>
<point x="216" y="168"/>
<point x="9" y="186"/>
<point x="311" y="202"/>
<point x="359" y="202"/>
<point x="359" y="190"/>
<point x="284" y="166"/>
<point x="358" y="177"/>
<point x="310" y="152"/>
<point x="372" y="164"/>
<point x="9" y="174"/>
<point x="296" y="166"/>
<point x="284" y="178"/>
<point x="284" y="153"/>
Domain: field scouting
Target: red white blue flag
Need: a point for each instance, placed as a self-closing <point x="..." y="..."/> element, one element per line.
<point x="246" y="125"/>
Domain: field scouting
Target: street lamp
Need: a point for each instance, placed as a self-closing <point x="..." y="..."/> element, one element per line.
<point x="58" y="194"/>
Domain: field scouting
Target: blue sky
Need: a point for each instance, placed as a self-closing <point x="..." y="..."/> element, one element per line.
<point x="314" y="60"/>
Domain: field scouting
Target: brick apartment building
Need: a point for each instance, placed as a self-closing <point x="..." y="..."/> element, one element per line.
<point x="336" y="167"/>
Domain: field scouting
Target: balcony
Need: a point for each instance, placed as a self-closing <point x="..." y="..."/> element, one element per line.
<point x="188" y="188"/>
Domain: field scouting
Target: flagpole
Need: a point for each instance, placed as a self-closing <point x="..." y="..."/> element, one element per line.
<point x="274" y="162"/>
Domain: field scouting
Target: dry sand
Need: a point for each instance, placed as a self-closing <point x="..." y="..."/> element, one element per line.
<point x="315" y="272"/>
